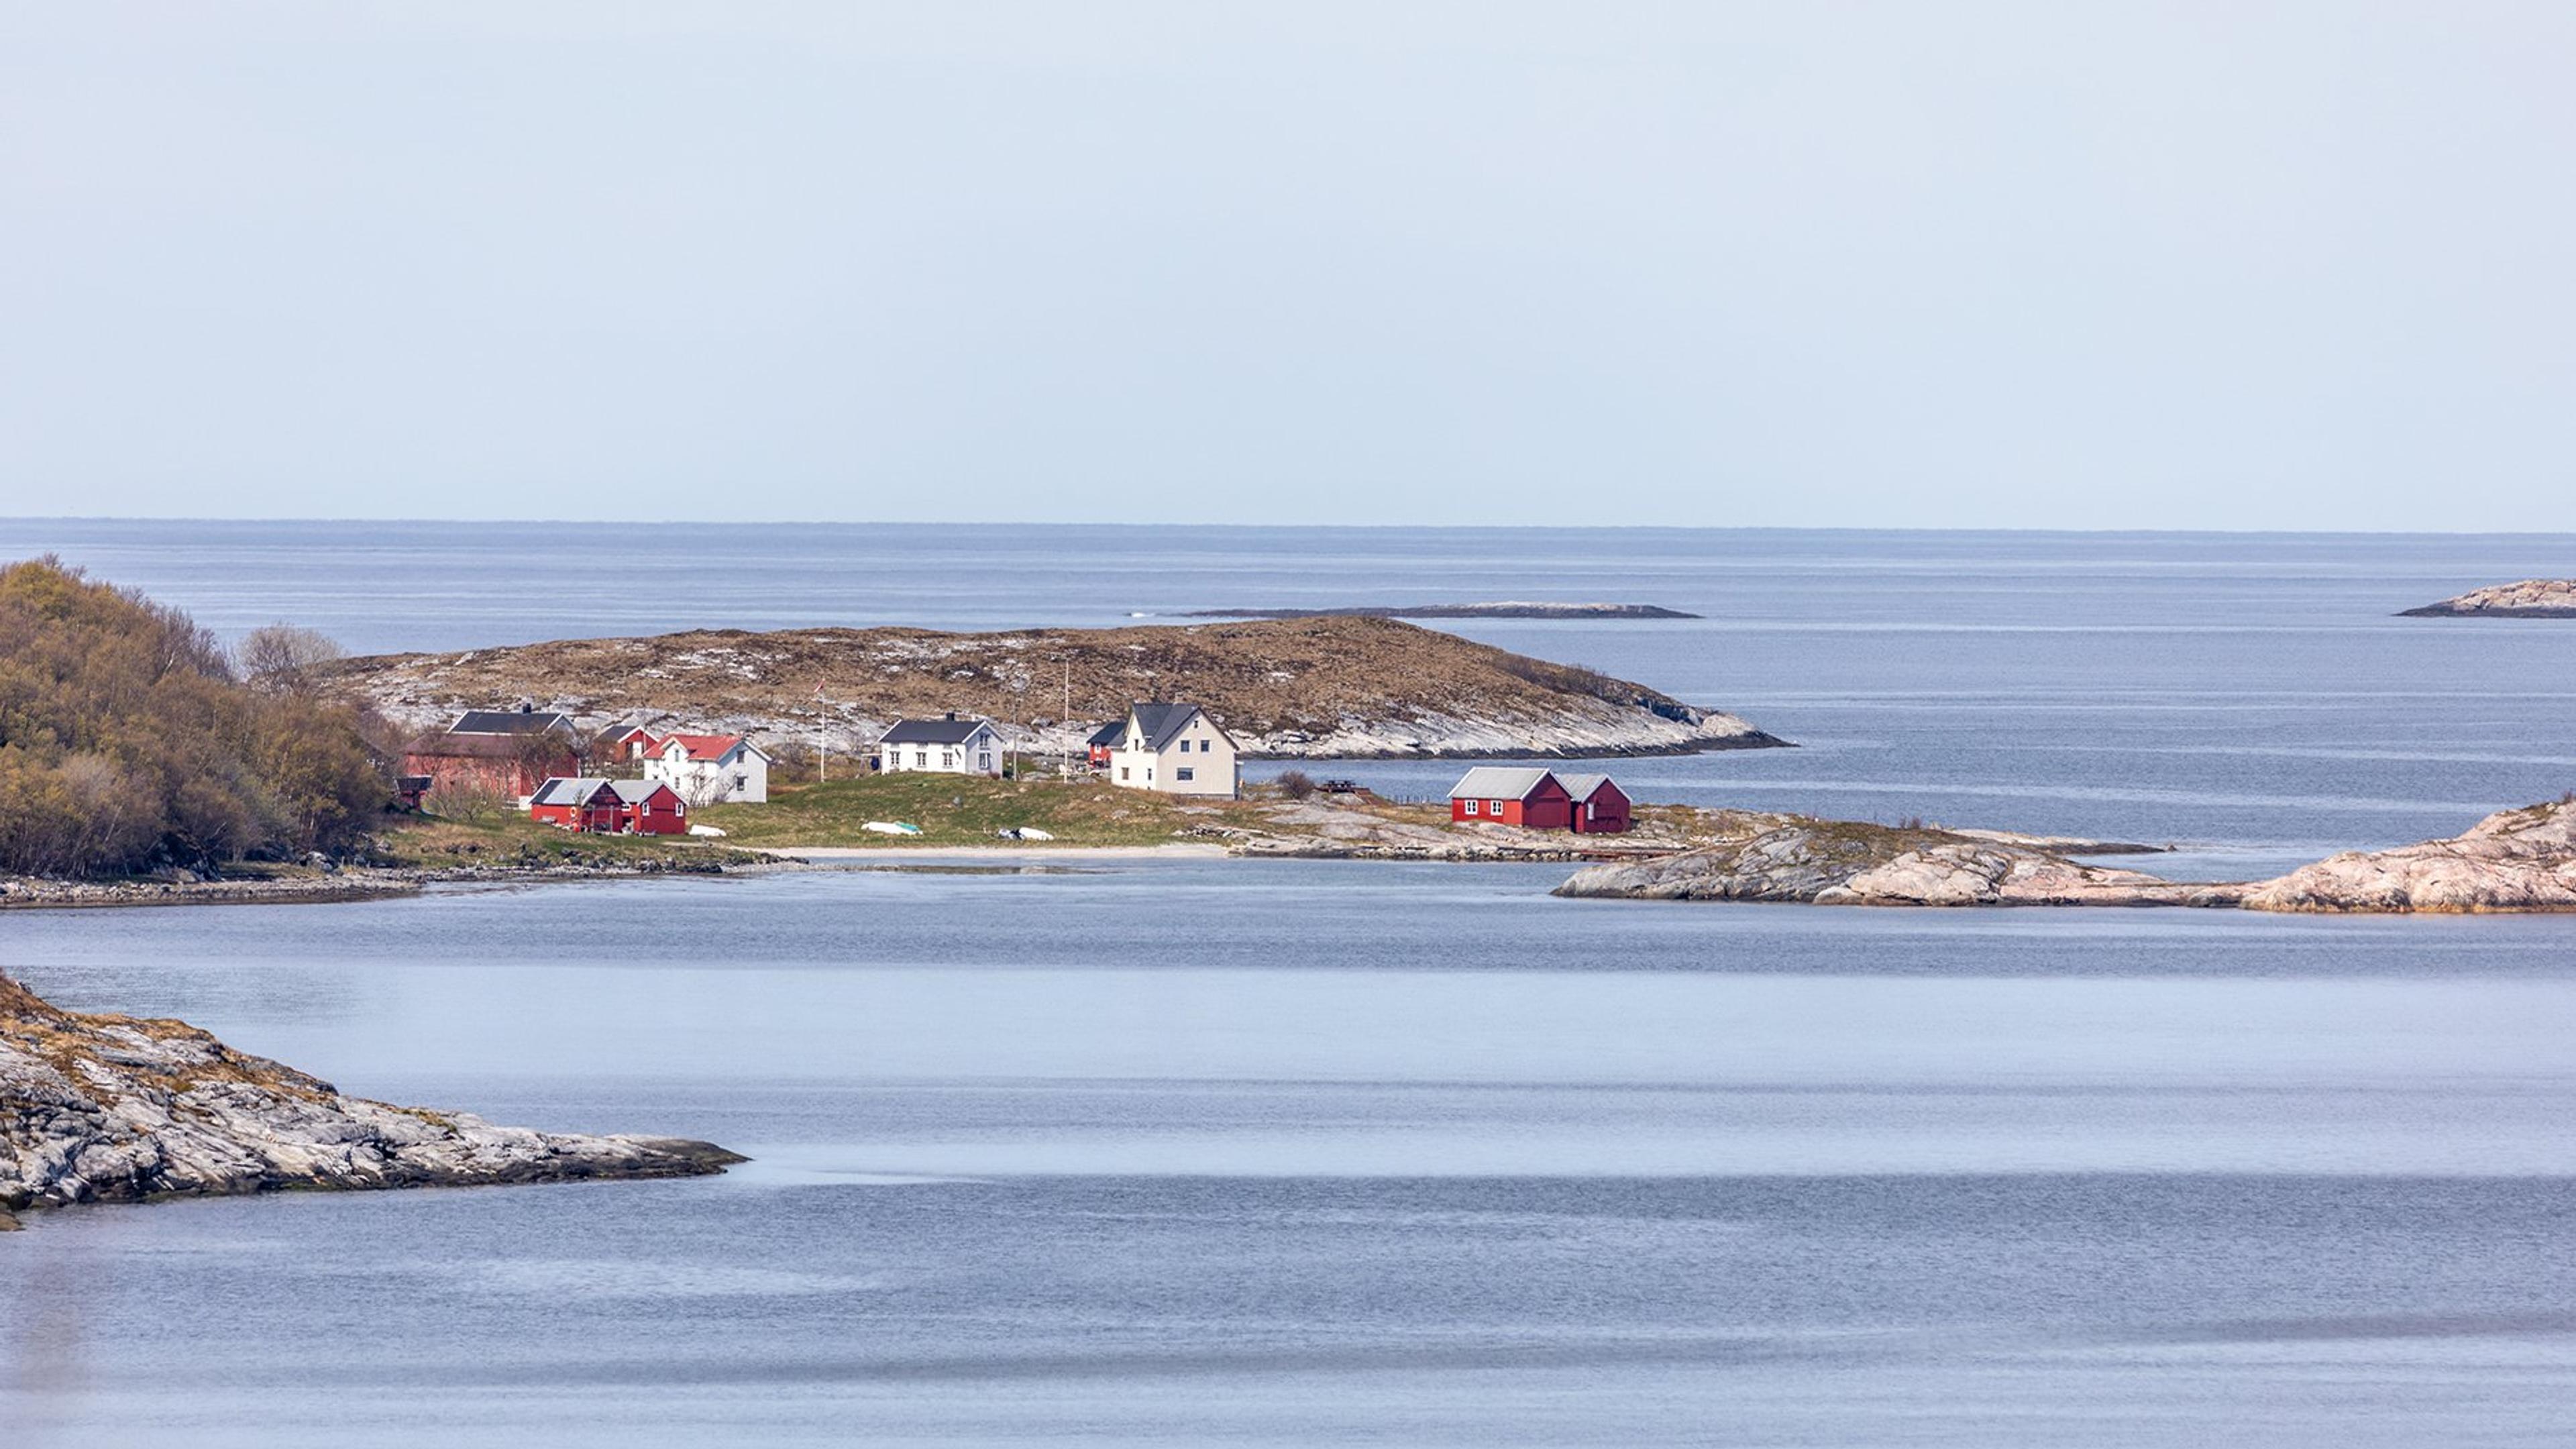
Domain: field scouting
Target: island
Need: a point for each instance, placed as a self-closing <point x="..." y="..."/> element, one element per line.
<point x="2528" y="599"/>
<point x="1507" y="609"/>
<point x="1343" y="687"/>
<point x="2515" y="860"/>
<point x="98" y="1108"/>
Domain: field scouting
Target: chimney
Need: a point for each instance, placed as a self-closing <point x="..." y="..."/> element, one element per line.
<point x="952" y="716"/>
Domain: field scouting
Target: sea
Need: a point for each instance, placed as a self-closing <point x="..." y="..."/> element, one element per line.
<point x="1113" y="1151"/>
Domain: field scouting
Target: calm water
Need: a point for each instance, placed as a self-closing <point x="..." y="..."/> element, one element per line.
<point x="2247" y="694"/>
<point x="1213" y="1152"/>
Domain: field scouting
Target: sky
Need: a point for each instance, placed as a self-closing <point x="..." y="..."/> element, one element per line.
<point x="2227" y="265"/>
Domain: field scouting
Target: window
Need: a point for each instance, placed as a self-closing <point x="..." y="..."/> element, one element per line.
<point x="1494" y="807"/>
<point x="920" y="759"/>
<point x="1187" y="773"/>
<point x="948" y="759"/>
<point x="1185" y="747"/>
<point x="1475" y="807"/>
<point x="742" y="782"/>
<point x="1123" y="772"/>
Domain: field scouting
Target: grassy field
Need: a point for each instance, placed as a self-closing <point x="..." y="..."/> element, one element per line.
<point x="961" y="810"/>
<point x="514" y="840"/>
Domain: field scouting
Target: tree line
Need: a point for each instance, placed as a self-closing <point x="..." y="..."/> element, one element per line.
<point x="131" y="739"/>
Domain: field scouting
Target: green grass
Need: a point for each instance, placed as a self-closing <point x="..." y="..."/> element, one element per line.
<point x="515" y="841"/>
<point x="959" y="810"/>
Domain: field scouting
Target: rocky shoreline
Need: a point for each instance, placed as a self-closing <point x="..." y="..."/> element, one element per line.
<point x="99" y="1108"/>
<point x="345" y="883"/>
<point x="2513" y="861"/>
<point x="2527" y="599"/>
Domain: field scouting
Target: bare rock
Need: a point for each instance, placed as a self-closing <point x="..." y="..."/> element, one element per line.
<point x="1839" y="863"/>
<point x="2528" y="599"/>
<point x="2516" y="860"/>
<point x="115" y="1108"/>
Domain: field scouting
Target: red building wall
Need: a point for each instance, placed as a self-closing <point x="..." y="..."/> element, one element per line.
<point x="1609" y="812"/>
<point x="1545" y="807"/>
<point x="500" y="774"/>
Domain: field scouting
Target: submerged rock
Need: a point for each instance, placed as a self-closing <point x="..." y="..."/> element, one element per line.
<point x="1846" y="863"/>
<point x="117" y="1108"/>
<point x="2515" y="860"/>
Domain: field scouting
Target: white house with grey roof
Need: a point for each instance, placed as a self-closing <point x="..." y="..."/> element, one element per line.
<point x="947" y="745"/>
<point x="1173" y="748"/>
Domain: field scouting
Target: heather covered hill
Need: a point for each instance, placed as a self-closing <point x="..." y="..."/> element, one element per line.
<point x="127" y="742"/>
<point x="1317" y="687"/>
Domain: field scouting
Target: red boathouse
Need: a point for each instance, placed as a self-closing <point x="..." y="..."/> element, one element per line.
<point x="1497" y="795"/>
<point x="1599" y="806"/>
<point x="611" y="807"/>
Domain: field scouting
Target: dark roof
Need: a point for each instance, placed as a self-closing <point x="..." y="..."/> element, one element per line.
<point x="1109" y="735"/>
<point x="478" y="747"/>
<point x="508" y="722"/>
<point x="1160" y="721"/>
<point x="930" y="732"/>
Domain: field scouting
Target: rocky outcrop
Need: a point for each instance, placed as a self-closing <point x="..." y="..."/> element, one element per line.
<point x="2528" y="599"/>
<point x="116" y="1108"/>
<point x="1296" y="688"/>
<point x="2516" y="860"/>
<point x="1843" y="863"/>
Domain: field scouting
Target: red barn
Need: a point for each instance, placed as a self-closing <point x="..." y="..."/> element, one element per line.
<point x="502" y="751"/>
<point x="1600" y="807"/>
<point x="611" y="807"/>
<point x="1495" y="795"/>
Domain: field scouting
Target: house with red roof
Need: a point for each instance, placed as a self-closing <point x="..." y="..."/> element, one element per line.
<point x="703" y="769"/>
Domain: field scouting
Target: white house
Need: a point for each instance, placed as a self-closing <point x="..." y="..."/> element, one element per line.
<point x="948" y="745"/>
<point x="1174" y="748"/>
<point x="702" y="769"/>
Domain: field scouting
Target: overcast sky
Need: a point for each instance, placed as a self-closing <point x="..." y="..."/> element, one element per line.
<point x="2072" y="265"/>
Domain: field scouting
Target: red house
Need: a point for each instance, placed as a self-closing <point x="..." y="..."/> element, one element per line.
<point x="1499" y="796"/>
<point x="1600" y="807"/>
<point x="611" y="807"/>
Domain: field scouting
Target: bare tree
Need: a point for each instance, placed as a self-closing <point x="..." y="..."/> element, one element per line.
<point x="281" y="658"/>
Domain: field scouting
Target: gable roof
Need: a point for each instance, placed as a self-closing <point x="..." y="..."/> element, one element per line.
<point x="508" y="722"/>
<point x="1498" y="782"/>
<point x="1584" y="787"/>
<point x="636" y="792"/>
<point x="1109" y="734"/>
<point x="702" y="747"/>
<point x="1158" y="721"/>
<point x="950" y="731"/>
<point x="563" y="790"/>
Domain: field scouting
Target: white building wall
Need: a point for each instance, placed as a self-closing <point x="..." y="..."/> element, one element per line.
<point x="980" y="753"/>
<point x="745" y="780"/>
<point x="1200" y="760"/>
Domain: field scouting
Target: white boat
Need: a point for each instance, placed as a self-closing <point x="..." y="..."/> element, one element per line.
<point x="891" y="827"/>
<point x="707" y="830"/>
<point x="1026" y="832"/>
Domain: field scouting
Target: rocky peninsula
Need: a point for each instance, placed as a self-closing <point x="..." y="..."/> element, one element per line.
<point x="1317" y="688"/>
<point x="2528" y="599"/>
<point x="1838" y="862"/>
<point x="2517" y="860"/>
<point x="122" y="1109"/>
<point x="2514" y="860"/>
